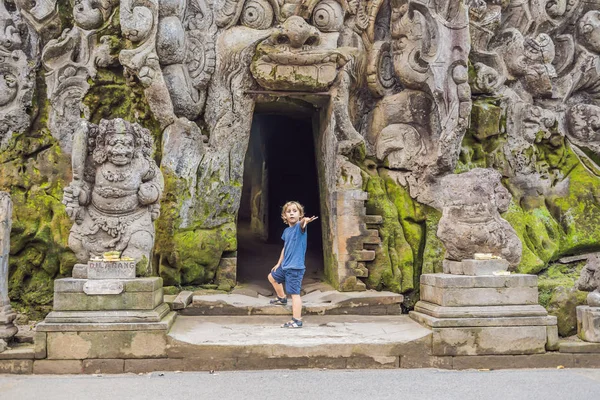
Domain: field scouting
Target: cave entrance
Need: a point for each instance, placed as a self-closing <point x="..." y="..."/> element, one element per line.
<point x="279" y="166"/>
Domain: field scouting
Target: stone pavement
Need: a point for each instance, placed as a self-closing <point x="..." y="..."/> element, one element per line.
<point x="319" y="302"/>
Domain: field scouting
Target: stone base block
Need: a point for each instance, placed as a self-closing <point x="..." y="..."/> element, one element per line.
<point x="80" y="341"/>
<point x="434" y="322"/>
<point x="588" y="323"/>
<point x="107" y="317"/>
<point x="474" y="267"/>
<point x="447" y="290"/>
<point x="506" y="340"/>
<point x="107" y="295"/>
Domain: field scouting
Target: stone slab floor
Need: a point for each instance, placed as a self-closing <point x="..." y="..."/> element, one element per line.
<point x="318" y="330"/>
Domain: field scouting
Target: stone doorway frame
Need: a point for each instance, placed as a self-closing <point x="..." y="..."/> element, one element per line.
<point x="349" y="236"/>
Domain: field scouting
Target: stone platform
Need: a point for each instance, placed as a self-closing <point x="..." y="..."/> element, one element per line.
<point x="484" y="315"/>
<point x="317" y="302"/>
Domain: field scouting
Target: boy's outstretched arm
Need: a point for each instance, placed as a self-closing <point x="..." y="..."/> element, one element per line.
<point x="280" y="260"/>
<point x="306" y="220"/>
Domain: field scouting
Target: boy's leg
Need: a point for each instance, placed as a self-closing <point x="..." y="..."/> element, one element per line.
<point x="278" y="287"/>
<point x="293" y="285"/>
<point x="297" y="306"/>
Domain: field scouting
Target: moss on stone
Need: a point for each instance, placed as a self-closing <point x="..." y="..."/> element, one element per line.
<point x="392" y="268"/>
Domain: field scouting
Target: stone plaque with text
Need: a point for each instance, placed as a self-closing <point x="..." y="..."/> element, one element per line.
<point x="111" y="270"/>
<point x="103" y="287"/>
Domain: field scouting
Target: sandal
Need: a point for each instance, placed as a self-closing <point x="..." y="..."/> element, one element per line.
<point x="294" y="323"/>
<point x="279" y="301"/>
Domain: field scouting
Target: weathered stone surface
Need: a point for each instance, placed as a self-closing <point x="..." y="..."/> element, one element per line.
<point x="482" y="322"/>
<point x="489" y="340"/>
<point x="163" y="325"/>
<point x="57" y="367"/>
<point x="182" y="300"/>
<point x="452" y="281"/>
<point x="123" y="301"/>
<point x="456" y="297"/>
<point x="579" y="347"/>
<point x="71" y="285"/>
<point x="18" y="353"/>
<point x="107" y="344"/>
<point x="588" y="323"/>
<point x="437" y="311"/>
<point x="115" y="366"/>
<point x="107" y="317"/>
<point x="16" y="366"/>
<point x="316" y="303"/>
<point x="40" y="345"/>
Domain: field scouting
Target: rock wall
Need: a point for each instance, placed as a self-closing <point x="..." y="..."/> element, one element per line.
<point x="466" y="125"/>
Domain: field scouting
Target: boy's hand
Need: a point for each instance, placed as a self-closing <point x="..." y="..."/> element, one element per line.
<point x="274" y="268"/>
<point x="306" y="220"/>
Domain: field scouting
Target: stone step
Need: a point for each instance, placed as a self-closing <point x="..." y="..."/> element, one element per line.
<point x="365" y="255"/>
<point x="372" y="237"/>
<point x="258" y="342"/>
<point x="373" y="219"/>
<point x="315" y="303"/>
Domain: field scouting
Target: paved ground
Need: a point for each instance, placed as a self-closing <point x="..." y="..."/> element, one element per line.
<point x="312" y="384"/>
<point x="318" y="330"/>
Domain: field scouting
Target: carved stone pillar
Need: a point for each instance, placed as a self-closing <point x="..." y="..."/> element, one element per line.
<point x="7" y="315"/>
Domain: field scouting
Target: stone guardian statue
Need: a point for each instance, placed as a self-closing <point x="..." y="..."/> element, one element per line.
<point x="114" y="196"/>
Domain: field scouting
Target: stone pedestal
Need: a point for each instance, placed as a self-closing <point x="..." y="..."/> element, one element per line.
<point x="484" y="315"/>
<point x="106" y="318"/>
<point x="588" y="323"/>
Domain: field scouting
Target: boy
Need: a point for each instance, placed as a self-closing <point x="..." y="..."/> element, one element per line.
<point x="290" y="267"/>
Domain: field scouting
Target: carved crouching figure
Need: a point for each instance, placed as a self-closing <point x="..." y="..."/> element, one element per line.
<point x="471" y="221"/>
<point x="115" y="192"/>
<point x="589" y="280"/>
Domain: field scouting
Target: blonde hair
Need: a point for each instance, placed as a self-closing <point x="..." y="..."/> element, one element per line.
<point x="289" y="204"/>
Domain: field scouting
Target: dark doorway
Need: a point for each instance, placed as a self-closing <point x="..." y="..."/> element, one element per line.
<point x="280" y="166"/>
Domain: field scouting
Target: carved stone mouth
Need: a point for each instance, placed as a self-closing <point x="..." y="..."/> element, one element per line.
<point x="278" y="68"/>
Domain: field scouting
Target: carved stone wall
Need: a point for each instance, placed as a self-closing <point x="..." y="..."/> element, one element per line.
<point x="446" y="127"/>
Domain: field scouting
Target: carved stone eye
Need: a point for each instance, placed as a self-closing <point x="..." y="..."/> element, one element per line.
<point x="257" y="14"/>
<point x="328" y="16"/>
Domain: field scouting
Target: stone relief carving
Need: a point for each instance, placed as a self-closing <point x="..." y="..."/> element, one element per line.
<point x="70" y="61"/>
<point x="403" y="81"/>
<point x="471" y="204"/>
<point x="589" y="280"/>
<point x="17" y="78"/>
<point x="114" y="196"/>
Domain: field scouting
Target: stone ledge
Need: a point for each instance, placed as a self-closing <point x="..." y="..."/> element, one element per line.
<point x="548" y="360"/>
<point x="106" y="317"/>
<point x="434" y="322"/>
<point x="437" y="311"/>
<point x="18" y="353"/>
<point x="165" y="324"/>
<point x="464" y="281"/>
<point x="579" y="347"/>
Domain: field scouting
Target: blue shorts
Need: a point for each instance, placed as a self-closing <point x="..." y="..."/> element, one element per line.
<point x="291" y="277"/>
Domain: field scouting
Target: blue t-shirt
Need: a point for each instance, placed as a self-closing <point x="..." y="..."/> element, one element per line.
<point x="294" y="247"/>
